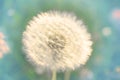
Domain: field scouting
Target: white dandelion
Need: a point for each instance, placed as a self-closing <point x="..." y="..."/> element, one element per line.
<point x="57" y="41"/>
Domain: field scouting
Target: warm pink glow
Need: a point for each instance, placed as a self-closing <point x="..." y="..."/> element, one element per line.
<point x="116" y="14"/>
<point x="3" y="46"/>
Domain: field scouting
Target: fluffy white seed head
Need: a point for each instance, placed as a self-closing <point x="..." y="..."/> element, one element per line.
<point x="56" y="41"/>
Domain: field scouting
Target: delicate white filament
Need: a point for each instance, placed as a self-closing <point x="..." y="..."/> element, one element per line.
<point x="57" y="41"/>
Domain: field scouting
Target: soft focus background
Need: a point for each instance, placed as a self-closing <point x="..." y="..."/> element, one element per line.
<point x="102" y="18"/>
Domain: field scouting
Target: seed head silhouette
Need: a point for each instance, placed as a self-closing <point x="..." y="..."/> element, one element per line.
<point x="56" y="41"/>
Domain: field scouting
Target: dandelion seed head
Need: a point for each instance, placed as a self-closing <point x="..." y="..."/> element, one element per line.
<point x="57" y="41"/>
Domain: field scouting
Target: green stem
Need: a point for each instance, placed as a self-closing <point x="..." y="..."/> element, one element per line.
<point x="67" y="75"/>
<point x="54" y="75"/>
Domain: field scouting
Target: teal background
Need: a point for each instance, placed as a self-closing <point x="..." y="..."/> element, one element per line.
<point x="104" y="64"/>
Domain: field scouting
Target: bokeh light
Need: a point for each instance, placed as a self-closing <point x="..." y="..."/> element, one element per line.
<point x="102" y="20"/>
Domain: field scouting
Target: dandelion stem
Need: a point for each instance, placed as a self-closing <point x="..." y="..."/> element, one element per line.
<point x="54" y="75"/>
<point x="67" y="75"/>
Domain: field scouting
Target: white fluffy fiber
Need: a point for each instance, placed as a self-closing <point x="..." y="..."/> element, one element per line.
<point x="56" y="41"/>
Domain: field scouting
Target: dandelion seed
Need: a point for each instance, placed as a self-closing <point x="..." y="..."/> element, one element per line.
<point x="56" y="41"/>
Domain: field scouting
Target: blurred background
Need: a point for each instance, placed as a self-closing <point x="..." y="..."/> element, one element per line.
<point x="102" y="18"/>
